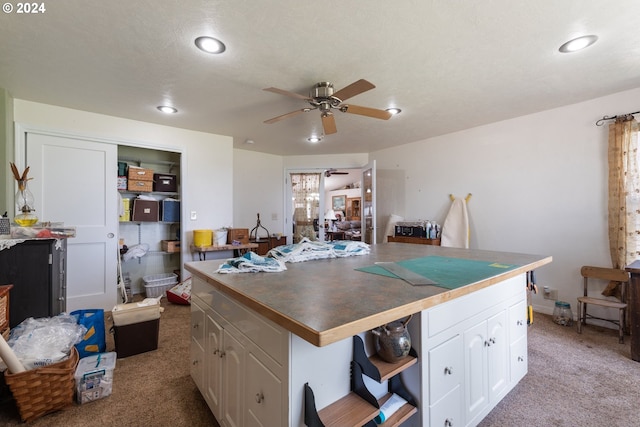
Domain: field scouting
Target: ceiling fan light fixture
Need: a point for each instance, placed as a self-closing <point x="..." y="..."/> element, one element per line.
<point x="210" y="45"/>
<point x="578" y="43"/>
<point x="394" y="110"/>
<point x="167" y="109"/>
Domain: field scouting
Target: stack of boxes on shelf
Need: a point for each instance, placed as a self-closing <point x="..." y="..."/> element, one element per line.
<point x="135" y="179"/>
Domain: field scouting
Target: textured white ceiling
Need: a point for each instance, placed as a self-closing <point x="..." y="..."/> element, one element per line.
<point x="449" y="64"/>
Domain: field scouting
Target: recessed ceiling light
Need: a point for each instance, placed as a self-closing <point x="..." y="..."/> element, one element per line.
<point x="394" y="111"/>
<point x="167" y="109"/>
<point x="210" y="44"/>
<point x="314" y="139"/>
<point x="578" y="43"/>
<point x="249" y="141"/>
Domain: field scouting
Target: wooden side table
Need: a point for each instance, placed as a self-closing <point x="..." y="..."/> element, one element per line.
<point x="265" y="244"/>
<point x="238" y="250"/>
<point x="415" y="240"/>
<point x="4" y="310"/>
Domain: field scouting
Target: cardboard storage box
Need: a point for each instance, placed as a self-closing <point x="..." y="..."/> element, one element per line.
<point x="140" y="186"/>
<point x="170" y="210"/>
<point x="171" y="246"/>
<point x="136" y="338"/>
<point x="165" y="182"/>
<point x="140" y="174"/>
<point x="94" y="376"/>
<point x="145" y="210"/>
<point x="239" y="234"/>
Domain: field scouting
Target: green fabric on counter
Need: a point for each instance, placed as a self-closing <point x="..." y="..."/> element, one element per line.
<point x="450" y="273"/>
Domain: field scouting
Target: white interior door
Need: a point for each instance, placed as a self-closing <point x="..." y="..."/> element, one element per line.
<point x="369" y="203"/>
<point x="75" y="181"/>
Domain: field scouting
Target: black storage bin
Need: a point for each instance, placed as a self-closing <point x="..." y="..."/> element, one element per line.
<point x="136" y="338"/>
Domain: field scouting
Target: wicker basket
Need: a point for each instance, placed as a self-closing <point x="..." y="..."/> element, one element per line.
<point x="43" y="390"/>
<point x="157" y="284"/>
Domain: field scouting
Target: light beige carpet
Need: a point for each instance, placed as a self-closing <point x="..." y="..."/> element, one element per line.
<point x="583" y="380"/>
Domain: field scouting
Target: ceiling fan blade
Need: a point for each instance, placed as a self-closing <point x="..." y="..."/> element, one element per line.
<point x="286" y="116"/>
<point x="329" y="123"/>
<point x="355" y="88"/>
<point x="286" y="93"/>
<point x="366" y="111"/>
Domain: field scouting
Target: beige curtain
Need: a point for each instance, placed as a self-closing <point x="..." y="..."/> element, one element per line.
<point x="306" y="202"/>
<point x="624" y="196"/>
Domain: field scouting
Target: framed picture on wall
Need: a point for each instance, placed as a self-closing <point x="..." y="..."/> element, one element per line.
<point x="339" y="203"/>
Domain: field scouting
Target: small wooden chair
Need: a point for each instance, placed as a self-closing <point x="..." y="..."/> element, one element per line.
<point x="610" y="274"/>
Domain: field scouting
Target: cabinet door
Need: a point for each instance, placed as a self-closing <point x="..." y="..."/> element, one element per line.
<point x="233" y="365"/>
<point x="445" y="368"/>
<point x="475" y="375"/>
<point x="497" y="354"/>
<point x="213" y="361"/>
<point x="264" y="395"/>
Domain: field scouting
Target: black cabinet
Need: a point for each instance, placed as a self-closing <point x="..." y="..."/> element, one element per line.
<point x="37" y="270"/>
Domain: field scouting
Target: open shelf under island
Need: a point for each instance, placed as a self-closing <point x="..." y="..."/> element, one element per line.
<point x="259" y="338"/>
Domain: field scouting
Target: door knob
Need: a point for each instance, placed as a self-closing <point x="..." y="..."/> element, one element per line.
<point x="110" y="235"/>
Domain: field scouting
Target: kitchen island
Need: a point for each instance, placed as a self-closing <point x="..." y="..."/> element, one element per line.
<point x="258" y="338"/>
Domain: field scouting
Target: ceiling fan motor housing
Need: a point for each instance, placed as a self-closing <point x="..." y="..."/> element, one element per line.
<point x="322" y="90"/>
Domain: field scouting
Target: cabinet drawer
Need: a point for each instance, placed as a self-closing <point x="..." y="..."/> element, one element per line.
<point x="445" y="368"/>
<point x="271" y="338"/>
<point x="519" y="359"/>
<point x="450" y="313"/>
<point x="447" y="412"/>
<point x="517" y="321"/>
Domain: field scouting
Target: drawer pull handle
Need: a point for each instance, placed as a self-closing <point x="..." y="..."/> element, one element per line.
<point x="448" y="370"/>
<point x="448" y="422"/>
<point x="259" y="397"/>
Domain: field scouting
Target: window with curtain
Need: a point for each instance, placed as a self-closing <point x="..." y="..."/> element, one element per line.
<point x="306" y="205"/>
<point x="624" y="195"/>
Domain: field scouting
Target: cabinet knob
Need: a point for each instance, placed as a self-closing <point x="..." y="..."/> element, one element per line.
<point x="216" y="351"/>
<point x="448" y="422"/>
<point x="520" y="359"/>
<point x="259" y="397"/>
<point x="195" y="362"/>
<point x="448" y="370"/>
<point x="519" y="323"/>
<point x="196" y="326"/>
<point x="492" y="340"/>
<point x="222" y="354"/>
<point x="110" y="235"/>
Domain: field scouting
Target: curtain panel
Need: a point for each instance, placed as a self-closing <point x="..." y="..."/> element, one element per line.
<point x="624" y="196"/>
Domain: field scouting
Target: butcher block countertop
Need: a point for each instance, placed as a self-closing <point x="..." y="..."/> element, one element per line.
<point x="325" y="301"/>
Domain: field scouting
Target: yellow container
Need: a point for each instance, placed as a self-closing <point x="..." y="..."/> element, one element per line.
<point x="202" y="237"/>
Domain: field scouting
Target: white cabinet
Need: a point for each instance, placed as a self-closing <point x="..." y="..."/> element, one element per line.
<point x="244" y="378"/>
<point x="485" y="363"/>
<point x="476" y="351"/>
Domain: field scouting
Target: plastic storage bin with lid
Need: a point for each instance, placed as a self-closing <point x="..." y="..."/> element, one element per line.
<point x="94" y="376"/>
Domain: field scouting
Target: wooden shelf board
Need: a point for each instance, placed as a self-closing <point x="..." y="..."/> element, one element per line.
<point x="400" y="416"/>
<point x="351" y="410"/>
<point x="387" y="370"/>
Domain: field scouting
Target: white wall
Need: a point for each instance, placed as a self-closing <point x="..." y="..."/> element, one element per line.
<point x="259" y="184"/>
<point x="207" y="159"/>
<point x="538" y="185"/>
<point x="258" y="181"/>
